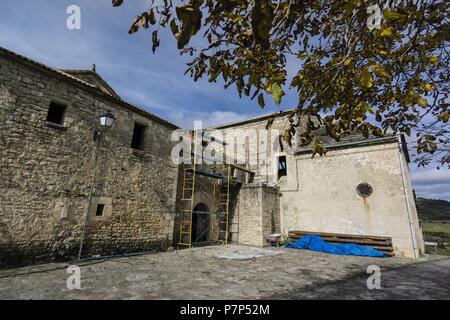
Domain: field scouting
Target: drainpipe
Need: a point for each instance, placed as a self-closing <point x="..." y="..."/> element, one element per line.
<point x="411" y="225"/>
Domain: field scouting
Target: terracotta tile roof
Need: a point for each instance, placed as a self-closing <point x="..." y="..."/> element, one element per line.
<point x="251" y="120"/>
<point x="92" y="77"/>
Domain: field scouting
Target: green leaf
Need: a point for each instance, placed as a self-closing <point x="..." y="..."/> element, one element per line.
<point x="151" y="17"/>
<point x="135" y="26"/>
<point x="434" y="59"/>
<point x="261" y="101"/>
<point x="386" y="32"/>
<point x="366" y="79"/>
<point x="174" y="27"/>
<point x="421" y="101"/>
<point x="277" y="93"/>
<point x="377" y="132"/>
<point x="364" y="107"/>
<point x="408" y="131"/>
<point x="318" y="148"/>
<point x="392" y="15"/>
<point x="444" y="116"/>
<point x="287" y="137"/>
<point x="155" y="40"/>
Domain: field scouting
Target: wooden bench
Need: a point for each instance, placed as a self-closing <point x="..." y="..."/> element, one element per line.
<point x="383" y="244"/>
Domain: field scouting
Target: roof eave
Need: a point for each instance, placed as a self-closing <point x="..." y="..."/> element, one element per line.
<point x="353" y="144"/>
<point x="84" y="85"/>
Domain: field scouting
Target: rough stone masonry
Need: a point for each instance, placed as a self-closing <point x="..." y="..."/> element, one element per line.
<point x="46" y="169"/>
<point x="47" y="122"/>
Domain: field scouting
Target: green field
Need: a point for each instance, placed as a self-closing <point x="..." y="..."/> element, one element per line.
<point x="436" y="227"/>
<point x="440" y="251"/>
<point x="439" y="232"/>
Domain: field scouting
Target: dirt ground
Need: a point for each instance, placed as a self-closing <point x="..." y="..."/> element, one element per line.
<point x="206" y="273"/>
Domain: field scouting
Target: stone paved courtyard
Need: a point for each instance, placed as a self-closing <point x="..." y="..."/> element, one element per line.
<point x="199" y="274"/>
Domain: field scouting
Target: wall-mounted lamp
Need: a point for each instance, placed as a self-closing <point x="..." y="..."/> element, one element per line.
<point x="106" y="122"/>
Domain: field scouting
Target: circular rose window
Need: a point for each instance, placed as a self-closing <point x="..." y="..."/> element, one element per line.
<point x="364" y="190"/>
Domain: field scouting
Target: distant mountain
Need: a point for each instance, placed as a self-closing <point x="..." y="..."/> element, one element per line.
<point x="433" y="210"/>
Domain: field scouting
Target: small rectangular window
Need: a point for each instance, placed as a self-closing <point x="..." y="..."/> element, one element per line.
<point x="282" y="167"/>
<point x="56" y="113"/>
<point x="138" y="136"/>
<point x="100" y="209"/>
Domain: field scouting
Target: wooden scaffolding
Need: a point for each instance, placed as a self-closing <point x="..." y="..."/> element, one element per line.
<point x="224" y="175"/>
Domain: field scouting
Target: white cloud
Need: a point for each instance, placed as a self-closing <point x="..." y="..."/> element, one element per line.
<point x="431" y="183"/>
<point x="186" y="119"/>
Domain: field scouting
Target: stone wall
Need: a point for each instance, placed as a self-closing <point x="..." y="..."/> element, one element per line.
<point x="207" y="191"/>
<point x="46" y="171"/>
<point x="258" y="213"/>
<point x="320" y="194"/>
<point x="204" y="194"/>
<point x="261" y="149"/>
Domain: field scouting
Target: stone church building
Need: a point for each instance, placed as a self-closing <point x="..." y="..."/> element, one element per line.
<point x="64" y="182"/>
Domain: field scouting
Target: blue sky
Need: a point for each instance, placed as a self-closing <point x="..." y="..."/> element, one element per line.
<point x="37" y="29"/>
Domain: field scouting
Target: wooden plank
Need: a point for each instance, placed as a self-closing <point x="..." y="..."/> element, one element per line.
<point x="382" y="249"/>
<point x="206" y="173"/>
<point x="350" y="236"/>
<point x="343" y="237"/>
<point x="336" y="234"/>
<point x="242" y="169"/>
<point x="390" y="254"/>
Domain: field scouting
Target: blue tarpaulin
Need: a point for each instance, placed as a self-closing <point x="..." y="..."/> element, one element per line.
<point x="316" y="243"/>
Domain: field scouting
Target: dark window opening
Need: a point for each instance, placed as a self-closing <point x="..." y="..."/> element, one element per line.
<point x="56" y="113"/>
<point x="100" y="209"/>
<point x="200" y="223"/>
<point x="282" y="167"/>
<point x="138" y="136"/>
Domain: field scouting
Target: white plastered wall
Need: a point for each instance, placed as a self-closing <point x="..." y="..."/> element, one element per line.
<point x="320" y="195"/>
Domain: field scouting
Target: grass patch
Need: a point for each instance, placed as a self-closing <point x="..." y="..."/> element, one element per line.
<point x="440" y="251"/>
<point x="435" y="227"/>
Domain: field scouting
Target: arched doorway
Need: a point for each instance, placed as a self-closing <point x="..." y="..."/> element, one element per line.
<point x="200" y="223"/>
